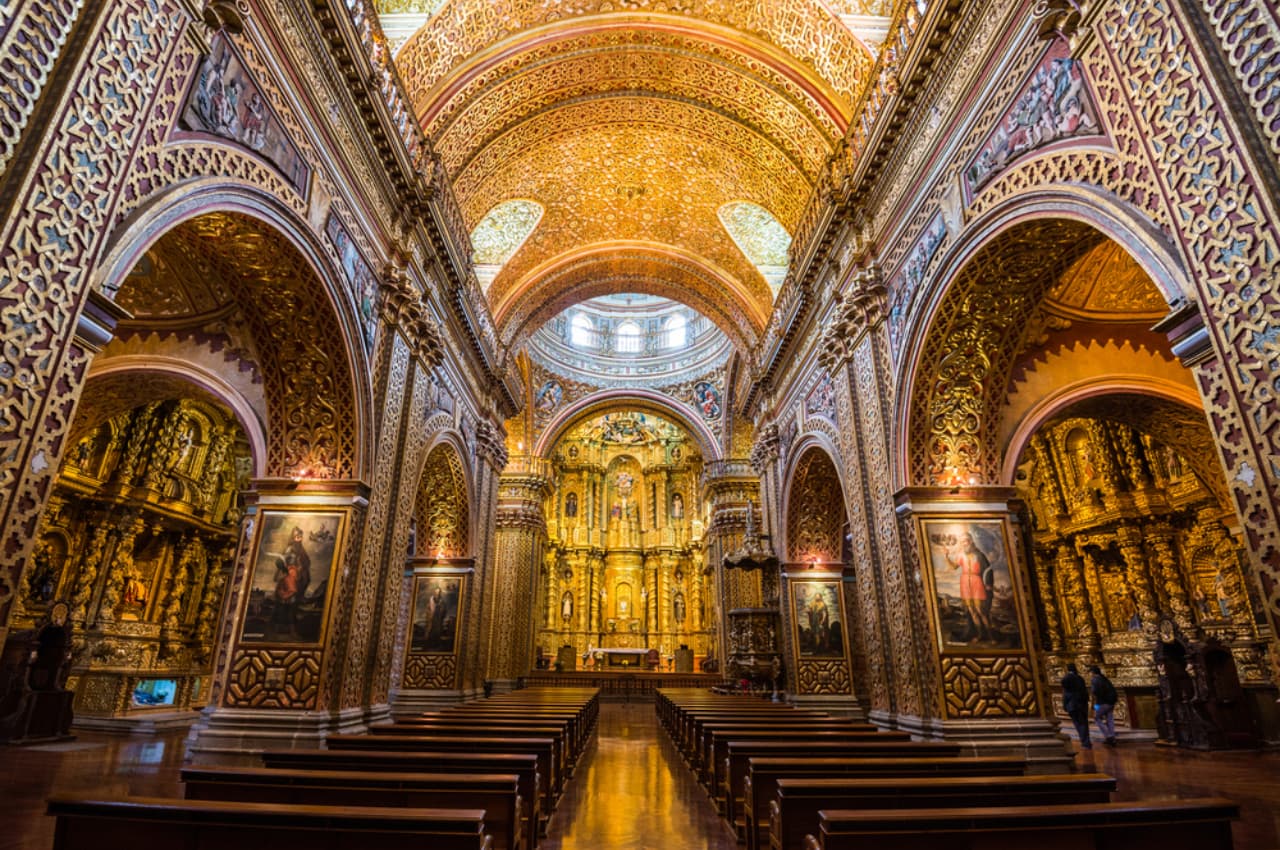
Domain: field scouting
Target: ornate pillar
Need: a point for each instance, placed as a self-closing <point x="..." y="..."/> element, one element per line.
<point x="1173" y="584"/>
<point x="1130" y="539"/>
<point x="289" y="601"/>
<point x="992" y="691"/>
<point x="1042" y="560"/>
<point x="727" y="487"/>
<point x="521" y="532"/>
<point x="1076" y="598"/>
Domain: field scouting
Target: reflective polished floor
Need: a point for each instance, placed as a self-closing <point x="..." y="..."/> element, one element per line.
<point x="631" y="789"/>
<point x="632" y="792"/>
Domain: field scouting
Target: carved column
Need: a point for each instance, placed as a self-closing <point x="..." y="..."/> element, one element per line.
<point x="520" y="535"/>
<point x="1076" y="597"/>
<point x="1164" y="565"/>
<point x="1130" y="539"/>
<point x="491" y="452"/>
<point x="1042" y="566"/>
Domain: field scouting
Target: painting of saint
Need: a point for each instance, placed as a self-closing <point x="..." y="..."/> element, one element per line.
<point x="548" y="398"/>
<point x="364" y="288"/>
<point x="226" y="101"/>
<point x="288" y="594"/>
<point x="435" y="614"/>
<point x="974" y="590"/>
<point x="707" y="399"/>
<point x="816" y="613"/>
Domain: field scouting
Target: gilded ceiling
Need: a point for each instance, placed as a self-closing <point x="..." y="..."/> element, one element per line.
<point x="1107" y="283"/>
<point x="633" y="125"/>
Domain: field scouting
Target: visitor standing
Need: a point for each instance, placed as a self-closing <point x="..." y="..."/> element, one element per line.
<point x="1075" y="701"/>
<point x="1104" y="704"/>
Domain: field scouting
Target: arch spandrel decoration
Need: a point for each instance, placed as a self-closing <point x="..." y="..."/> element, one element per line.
<point x="973" y="336"/>
<point x="442" y="509"/>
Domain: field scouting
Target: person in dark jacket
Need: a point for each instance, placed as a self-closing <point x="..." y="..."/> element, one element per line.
<point x="1104" y="704"/>
<point x="1075" y="701"/>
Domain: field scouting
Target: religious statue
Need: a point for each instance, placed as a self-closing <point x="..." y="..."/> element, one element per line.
<point x="677" y="608"/>
<point x="1223" y="593"/>
<point x="677" y="506"/>
<point x="566" y="606"/>
<point x="571" y="505"/>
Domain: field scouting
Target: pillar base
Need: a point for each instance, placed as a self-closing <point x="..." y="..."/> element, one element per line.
<point x="504" y="686"/>
<point x="234" y="736"/>
<point x="1039" y="741"/>
<point x="410" y="703"/>
<point x="838" y="706"/>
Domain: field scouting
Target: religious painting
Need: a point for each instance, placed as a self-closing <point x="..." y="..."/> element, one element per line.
<point x="436" y="603"/>
<point x="707" y="399"/>
<point x="912" y="275"/>
<point x="292" y="565"/>
<point x="816" y="615"/>
<point x="1054" y="105"/>
<point x="226" y="101"/>
<point x="821" y="400"/>
<point x="360" y="280"/>
<point x="548" y="398"/>
<point x="974" y="599"/>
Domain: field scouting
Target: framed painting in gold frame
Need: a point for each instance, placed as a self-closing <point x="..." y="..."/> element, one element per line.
<point x="817" y="618"/>
<point x="290" y="586"/>
<point x="970" y="581"/>
<point x="438" y="602"/>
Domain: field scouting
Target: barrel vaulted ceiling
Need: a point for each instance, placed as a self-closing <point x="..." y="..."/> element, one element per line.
<point x="632" y="125"/>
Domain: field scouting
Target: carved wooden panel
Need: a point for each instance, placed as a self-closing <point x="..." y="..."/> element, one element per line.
<point x="274" y="678"/>
<point x="823" y="677"/>
<point x="430" y="672"/>
<point x="978" y="687"/>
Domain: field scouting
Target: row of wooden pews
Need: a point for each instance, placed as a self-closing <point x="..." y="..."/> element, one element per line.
<point x="785" y="778"/>
<point x="481" y="776"/>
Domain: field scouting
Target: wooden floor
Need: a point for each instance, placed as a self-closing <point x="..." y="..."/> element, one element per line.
<point x="631" y="791"/>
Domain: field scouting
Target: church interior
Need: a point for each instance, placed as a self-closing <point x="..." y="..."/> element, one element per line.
<point x="620" y="386"/>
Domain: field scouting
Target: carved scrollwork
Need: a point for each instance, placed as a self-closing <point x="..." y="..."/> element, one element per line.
<point x="861" y="307"/>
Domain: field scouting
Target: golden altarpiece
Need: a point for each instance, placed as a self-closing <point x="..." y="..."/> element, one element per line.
<point x="139" y="537"/>
<point x="622" y="567"/>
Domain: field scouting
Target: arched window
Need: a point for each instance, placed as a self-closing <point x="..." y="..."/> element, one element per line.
<point x="629" y="339"/>
<point x="581" y="331"/>
<point x="675" y="332"/>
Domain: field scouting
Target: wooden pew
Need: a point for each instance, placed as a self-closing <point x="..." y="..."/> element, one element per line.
<point x="759" y="788"/>
<point x="703" y="726"/>
<point x="543" y="748"/>
<point x="497" y="794"/>
<point x="1199" y="824"/>
<point x="579" y="732"/>
<point x="86" y="822"/>
<point x="523" y="765"/>
<point x="728" y="780"/>
<point x="793" y="813"/>
<point x="475" y="729"/>
<point x="718" y="739"/>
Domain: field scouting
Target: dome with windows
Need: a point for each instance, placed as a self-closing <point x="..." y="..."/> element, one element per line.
<point x="639" y="339"/>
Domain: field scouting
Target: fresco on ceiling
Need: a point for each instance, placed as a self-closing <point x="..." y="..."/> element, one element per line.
<point x="1052" y="106"/>
<point x="360" y="280"/>
<point x="548" y="398"/>
<point x="707" y="399"/>
<point x="226" y="101"/>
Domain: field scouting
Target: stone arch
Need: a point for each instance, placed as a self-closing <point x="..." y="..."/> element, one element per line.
<point x="442" y="507"/>
<point x="956" y="362"/>
<point x="293" y="307"/>
<point x="639" y="399"/>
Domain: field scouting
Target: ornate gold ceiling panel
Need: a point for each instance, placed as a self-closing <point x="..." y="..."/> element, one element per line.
<point x="633" y="125"/>
<point x="1107" y="283"/>
<point x="634" y="180"/>
<point x="673" y="65"/>
<point x="616" y="268"/>
<point x="807" y="32"/>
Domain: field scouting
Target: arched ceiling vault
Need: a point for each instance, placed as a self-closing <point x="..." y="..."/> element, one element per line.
<point x="633" y="127"/>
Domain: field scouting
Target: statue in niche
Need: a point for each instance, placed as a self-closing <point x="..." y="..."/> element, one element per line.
<point x="1172" y="464"/>
<point x="677" y="506"/>
<point x="571" y="505"/>
<point x="677" y="609"/>
<point x="1201" y="601"/>
<point x="1222" y="590"/>
<point x="42" y="581"/>
<point x="566" y="606"/>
